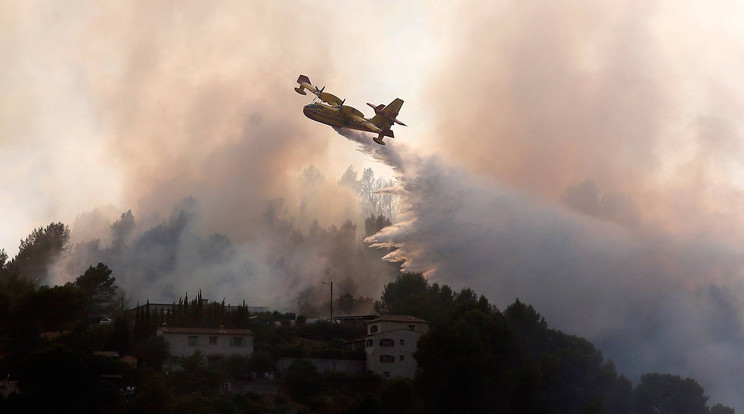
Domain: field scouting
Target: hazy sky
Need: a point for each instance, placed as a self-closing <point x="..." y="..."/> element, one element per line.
<point x="105" y="104"/>
<point x="583" y="156"/>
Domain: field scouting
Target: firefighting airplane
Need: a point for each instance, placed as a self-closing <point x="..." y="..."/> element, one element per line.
<point x="333" y="112"/>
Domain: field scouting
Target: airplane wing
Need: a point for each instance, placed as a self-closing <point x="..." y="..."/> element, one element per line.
<point x="326" y="97"/>
<point x="348" y="110"/>
<point x="330" y="98"/>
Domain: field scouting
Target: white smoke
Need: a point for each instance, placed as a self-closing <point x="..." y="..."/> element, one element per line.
<point x="652" y="304"/>
<point x="279" y="261"/>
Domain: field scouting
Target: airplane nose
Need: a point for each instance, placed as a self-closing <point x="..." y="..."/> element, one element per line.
<point x="309" y="112"/>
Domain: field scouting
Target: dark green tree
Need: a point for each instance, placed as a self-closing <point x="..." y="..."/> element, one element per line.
<point x="345" y="303"/>
<point x="186" y="310"/>
<point x="407" y="295"/>
<point x="153" y="394"/>
<point x="374" y="224"/>
<point x="38" y="250"/>
<point x="411" y="294"/>
<point x="462" y="364"/>
<point x="59" y="307"/>
<point x="669" y="394"/>
<point x="98" y="285"/>
<point x="721" y="409"/>
<point x="121" y="230"/>
<point x="567" y="372"/>
<point x="120" y="339"/>
<point x="61" y="379"/>
<point x="3" y="259"/>
<point x="140" y="332"/>
<point x="195" y="376"/>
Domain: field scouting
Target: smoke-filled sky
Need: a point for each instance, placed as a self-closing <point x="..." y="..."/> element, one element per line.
<point x="583" y="156"/>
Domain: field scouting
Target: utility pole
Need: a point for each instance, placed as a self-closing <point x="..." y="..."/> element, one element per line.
<point x="331" y="285"/>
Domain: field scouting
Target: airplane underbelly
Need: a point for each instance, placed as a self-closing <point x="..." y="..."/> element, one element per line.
<point x="324" y="117"/>
<point x="357" y="127"/>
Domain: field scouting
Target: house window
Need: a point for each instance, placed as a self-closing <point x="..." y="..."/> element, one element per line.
<point x="386" y="374"/>
<point x="402" y="357"/>
<point x="412" y="327"/>
<point x="237" y="341"/>
<point x="193" y="340"/>
<point x="387" y="358"/>
<point x="402" y="342"/>
<point x="373" y="329"/>
<point x="370" y="342"/>
<point x="212" y="340"/>
<point x="387" y="342"/>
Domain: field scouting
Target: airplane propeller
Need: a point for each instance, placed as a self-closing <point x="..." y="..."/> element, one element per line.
<point x="318" y="92"/>
<point x="339" y="106"/>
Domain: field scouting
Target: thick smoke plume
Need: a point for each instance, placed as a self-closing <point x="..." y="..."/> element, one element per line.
<point x="591" y="165"/>
<point x="652" y="304"/>
<point x="280" y="266"/>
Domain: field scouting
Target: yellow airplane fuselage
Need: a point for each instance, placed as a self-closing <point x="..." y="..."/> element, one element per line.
<point x="324" y="114"/>
<point x="333" y="116"/>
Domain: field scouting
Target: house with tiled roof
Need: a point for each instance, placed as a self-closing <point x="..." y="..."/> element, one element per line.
<point x="390" y="343"/>
<point x="214" y="344"/>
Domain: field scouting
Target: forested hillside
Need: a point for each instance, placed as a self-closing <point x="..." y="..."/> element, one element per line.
<point x="475" y="358"/>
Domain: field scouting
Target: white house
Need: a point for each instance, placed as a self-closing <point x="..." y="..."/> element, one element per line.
<point x="390" y="343"/>
<point x="214" y="344"/>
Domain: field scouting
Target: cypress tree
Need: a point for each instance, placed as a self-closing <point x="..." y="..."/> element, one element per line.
<point x="136" y="323"/>
<point x="148" y="320"/>
<point x="186" y="311"/>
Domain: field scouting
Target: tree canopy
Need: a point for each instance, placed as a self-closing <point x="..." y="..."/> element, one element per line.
<point x="98" y="285"/>
<point x="37" y="251"/>
<point x="666" y="393"/>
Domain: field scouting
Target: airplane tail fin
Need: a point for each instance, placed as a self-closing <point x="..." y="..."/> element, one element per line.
<point x="304" y="82"/>
<point x="385" y="116"/>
